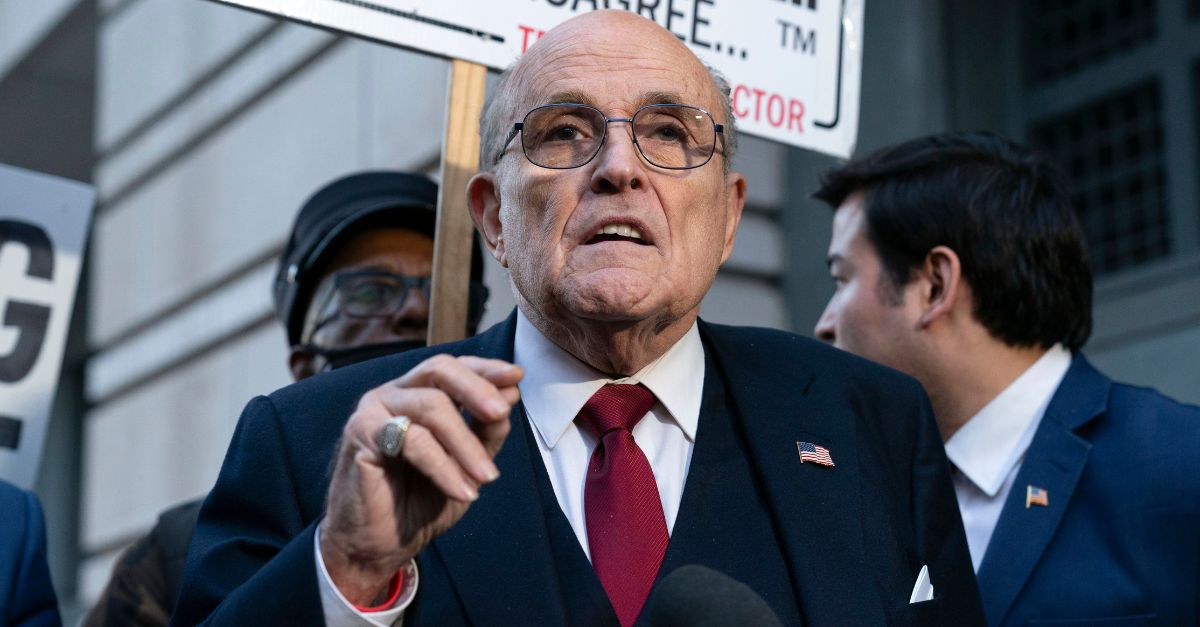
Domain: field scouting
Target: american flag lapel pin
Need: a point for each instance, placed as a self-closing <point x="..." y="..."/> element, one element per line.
<point x="1036" y="496"/>
<point x="814" y="453"/>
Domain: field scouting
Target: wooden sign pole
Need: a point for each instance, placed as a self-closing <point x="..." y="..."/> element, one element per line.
<point x="452" y="245"/>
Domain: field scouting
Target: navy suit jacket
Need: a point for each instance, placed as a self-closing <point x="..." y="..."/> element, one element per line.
<point x="854" y="536"/>
<point x="1119" y="542"/>
<point x="26" y="594"/>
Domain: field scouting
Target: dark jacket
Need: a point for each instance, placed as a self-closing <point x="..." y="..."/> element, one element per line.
<point x="1119" y="542"/>
<point x="853" y="537"/>
<point x="26" y="593"/>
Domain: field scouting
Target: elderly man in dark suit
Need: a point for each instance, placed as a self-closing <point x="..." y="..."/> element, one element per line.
<point x="610" y="437"/>
<point x="959" y="260"/>
<point x="26" y="593"/>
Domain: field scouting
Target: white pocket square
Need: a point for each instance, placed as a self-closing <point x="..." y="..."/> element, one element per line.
<point x="923" y="590"/>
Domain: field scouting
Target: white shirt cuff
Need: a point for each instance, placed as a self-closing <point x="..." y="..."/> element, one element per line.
<point x="339" y="612"/>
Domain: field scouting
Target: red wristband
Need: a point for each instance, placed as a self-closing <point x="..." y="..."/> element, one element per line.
<point x="393" y="593"/>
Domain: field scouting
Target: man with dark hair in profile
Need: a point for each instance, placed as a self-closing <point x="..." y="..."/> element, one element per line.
<point x="352" y="284"/>
<point x="958" y="259"/>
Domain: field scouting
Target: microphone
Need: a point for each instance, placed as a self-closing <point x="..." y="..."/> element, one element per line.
<point x="697" y="596"/>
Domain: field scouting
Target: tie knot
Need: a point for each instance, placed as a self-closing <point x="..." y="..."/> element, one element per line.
<point x="616" y="406"/>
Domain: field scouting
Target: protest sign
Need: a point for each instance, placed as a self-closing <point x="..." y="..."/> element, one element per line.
<point x="793" y="65"/>
<point x="43" y="229"/>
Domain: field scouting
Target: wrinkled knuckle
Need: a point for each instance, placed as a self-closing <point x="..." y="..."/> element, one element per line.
<point x="445" y="376"/>
<point x="423" y="451"/>
<point x="434" y="401"/>
<point x="440" y="362"/>
<point x="417" y="442"/>
<point x="418" y="399"/>
<point x="366" y="413"/>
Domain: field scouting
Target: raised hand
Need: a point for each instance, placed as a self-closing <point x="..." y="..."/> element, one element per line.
<point x="382" y="511"/>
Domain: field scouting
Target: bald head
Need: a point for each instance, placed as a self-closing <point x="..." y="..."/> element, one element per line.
<point x="630" y="44"/>
<point x="609" y="32"/>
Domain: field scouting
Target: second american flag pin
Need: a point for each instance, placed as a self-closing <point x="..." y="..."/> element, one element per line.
<point x="814" y="453"/>
<point x="1036" y="496"/>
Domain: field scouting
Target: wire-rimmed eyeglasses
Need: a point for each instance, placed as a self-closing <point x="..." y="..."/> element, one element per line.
<point x="569" y="135"/>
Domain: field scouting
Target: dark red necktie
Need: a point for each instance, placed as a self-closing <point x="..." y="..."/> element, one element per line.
<point x="626" y="529"/>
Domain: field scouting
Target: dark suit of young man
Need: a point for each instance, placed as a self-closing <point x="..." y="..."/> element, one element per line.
<point x="1122" y="523"/>
<point x="823" y="546"/>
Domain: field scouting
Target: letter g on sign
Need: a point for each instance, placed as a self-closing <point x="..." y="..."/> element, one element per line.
<point x="30" y="320"/>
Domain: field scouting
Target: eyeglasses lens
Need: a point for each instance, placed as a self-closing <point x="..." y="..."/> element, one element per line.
<point x="674" y="136"/>
<point x="562" y="136"/>
<point x="377" y="295"/>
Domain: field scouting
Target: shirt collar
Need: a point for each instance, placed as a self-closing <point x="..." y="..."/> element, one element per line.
<point x="994" y="441"/>
<point x="556" y="384"/>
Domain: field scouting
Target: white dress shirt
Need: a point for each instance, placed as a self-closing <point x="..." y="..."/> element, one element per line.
<point x="555" y="387"/>
<point x="988" y="450"/>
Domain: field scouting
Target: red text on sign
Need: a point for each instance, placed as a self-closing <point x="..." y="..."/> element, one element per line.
<point x="529" y="35"/>
<point x="758" y="105"/>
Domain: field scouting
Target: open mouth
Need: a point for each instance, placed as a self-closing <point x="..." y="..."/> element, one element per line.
<point x="618" y="233"/>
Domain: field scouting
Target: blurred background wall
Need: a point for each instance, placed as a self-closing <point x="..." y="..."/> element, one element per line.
<point x="205" y="127"/>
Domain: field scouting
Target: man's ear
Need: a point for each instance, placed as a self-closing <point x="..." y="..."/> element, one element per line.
<point x="302" y="362"/>
<point x="735" y="201"/>
<point x="943" y="286"/>
<point x="483" y="199"/>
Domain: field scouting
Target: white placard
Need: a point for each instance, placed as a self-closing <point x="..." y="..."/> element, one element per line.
<point x="43" y="228"/>
<point x="794" y="65"/>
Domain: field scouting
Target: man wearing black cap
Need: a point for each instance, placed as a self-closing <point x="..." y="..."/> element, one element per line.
<point x="351" y="260"/>
<point x="352" y="283"/>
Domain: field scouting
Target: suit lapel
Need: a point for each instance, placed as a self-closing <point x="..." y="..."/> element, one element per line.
<point x="814" y="507"/>
<point x="487" y="553"/>
<point x="1054" y="462"/>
